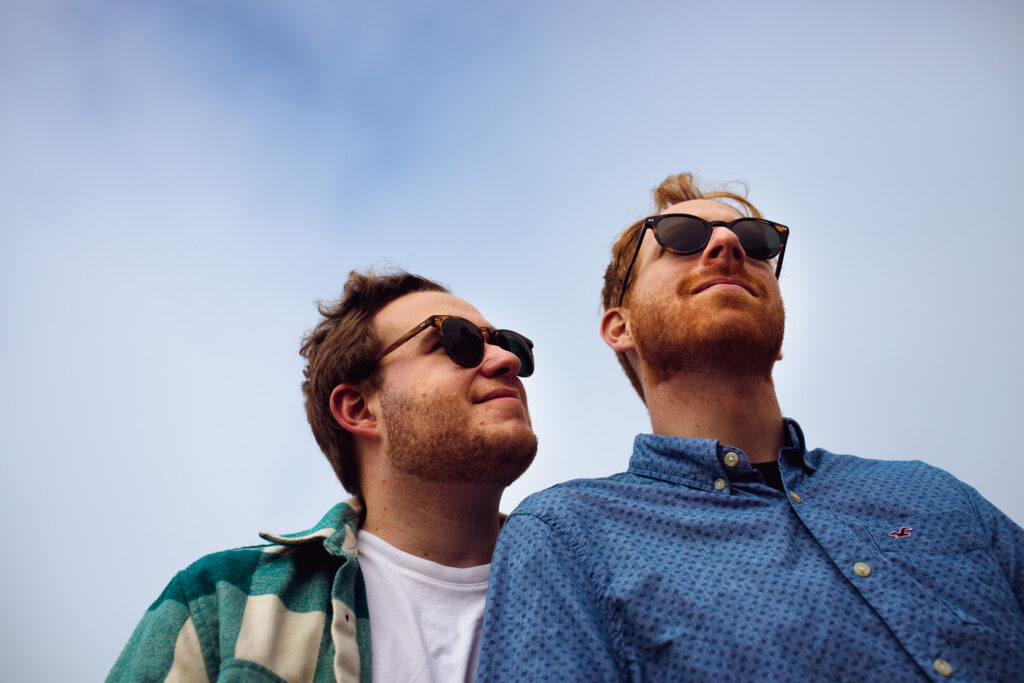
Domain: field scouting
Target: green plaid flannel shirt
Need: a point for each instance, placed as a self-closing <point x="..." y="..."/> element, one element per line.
<point x="294" y="610"/>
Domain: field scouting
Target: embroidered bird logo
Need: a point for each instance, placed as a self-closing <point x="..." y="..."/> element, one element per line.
<point x="902" y="532"/>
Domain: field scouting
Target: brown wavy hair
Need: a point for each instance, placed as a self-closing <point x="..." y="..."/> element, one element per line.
<point x="674" y="189"/>
<point x="343" y="348"/>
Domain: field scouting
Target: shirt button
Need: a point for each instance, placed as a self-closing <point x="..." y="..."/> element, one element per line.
<point x="719" y="484"/>
<point x="864" y="569"/>
<point x="732" y="459"/>
<point x="796" y="498"/>
<point x="943" y="667"/>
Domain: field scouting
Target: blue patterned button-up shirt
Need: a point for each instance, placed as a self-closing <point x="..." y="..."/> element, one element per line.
<point x="689" y="567"/>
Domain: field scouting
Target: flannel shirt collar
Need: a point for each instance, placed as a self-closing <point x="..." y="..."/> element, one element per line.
<point x="337" y="530"/>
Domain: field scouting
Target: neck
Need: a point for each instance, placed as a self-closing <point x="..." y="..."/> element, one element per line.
<point x="742" y="412"/>
<point x="451" y="524"/>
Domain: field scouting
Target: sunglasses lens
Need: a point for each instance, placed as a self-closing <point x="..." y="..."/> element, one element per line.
<point x="682" y="234"/>
<point x="517" y="344"/>
<point x="463" y="342"/>
<point x="759" y="239"/>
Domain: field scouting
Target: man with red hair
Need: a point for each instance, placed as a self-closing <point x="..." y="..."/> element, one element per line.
<point x="729" y="550"/>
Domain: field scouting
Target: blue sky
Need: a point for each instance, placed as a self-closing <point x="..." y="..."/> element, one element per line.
<point x="179" y="182"/>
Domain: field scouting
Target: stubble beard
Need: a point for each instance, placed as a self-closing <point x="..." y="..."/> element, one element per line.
<point x="730" y="336"/>
<point x="435" y="439"/>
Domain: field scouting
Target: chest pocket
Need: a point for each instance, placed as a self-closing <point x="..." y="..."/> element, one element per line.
<point x="944" y="533"/>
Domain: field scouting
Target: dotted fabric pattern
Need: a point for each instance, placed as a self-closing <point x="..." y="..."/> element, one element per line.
<point x="859" y="570"/>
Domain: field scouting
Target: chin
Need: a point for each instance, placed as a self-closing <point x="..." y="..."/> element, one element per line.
<point x="731" y="334"/>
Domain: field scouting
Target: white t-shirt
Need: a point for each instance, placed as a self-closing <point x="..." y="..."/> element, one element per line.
<point x="425" y="618"/>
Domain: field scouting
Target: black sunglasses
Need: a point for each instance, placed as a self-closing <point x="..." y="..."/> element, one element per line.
<point x="464" y="342"/>
<point x="681" y="233"/>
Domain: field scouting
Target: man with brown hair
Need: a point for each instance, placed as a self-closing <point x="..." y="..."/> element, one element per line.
<point x="728" y="550"/>
<point x="418" y="405"/>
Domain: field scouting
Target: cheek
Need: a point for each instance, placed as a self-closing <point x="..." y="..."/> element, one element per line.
<point x="442" y="378"/>
<point x="665" y="272"/>
<point x="771" y="286"/>
<point x="522" y="393"/>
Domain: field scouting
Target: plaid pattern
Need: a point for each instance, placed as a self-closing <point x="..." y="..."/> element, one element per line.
<point x="294" y="610"/>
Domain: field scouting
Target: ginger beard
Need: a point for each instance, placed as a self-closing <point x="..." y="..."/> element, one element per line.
<point x="717" y="331"/>
<point x="434" y="438"/>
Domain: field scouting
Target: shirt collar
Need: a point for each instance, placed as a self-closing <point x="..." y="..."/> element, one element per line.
<point x="698" y="462"/>
<point x="337" y="530"/>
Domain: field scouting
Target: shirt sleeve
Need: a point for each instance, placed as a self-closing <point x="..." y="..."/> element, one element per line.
<point x="164" y="643"/>
<point x="1006" y="539"/>
<point x="543" y="621"/>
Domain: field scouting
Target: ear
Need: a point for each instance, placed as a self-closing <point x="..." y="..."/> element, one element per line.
<point x="615" y="329"/>
<point x="352" y="409"/>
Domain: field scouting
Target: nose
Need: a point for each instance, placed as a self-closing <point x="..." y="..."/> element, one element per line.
<point x="723" y="247"/>
<point x="498" y="361"/>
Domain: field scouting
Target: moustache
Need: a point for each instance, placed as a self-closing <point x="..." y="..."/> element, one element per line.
<point x="692" y="281"/>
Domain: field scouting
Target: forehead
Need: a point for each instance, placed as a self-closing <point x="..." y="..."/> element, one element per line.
<point x="402" y="314"/>
<point x="708" y="209"/>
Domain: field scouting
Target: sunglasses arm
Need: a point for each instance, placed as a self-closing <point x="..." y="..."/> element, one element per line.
<point x="406" y="337"/>
<point x="629" y="268"/>
<point x="778" y="265"/>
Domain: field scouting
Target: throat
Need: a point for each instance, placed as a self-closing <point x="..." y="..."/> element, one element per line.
<point x="742" y="413"/>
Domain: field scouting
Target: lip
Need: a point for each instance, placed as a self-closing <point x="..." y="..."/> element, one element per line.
<point x="496" y="394"/>
<point x="736" y="282"/>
